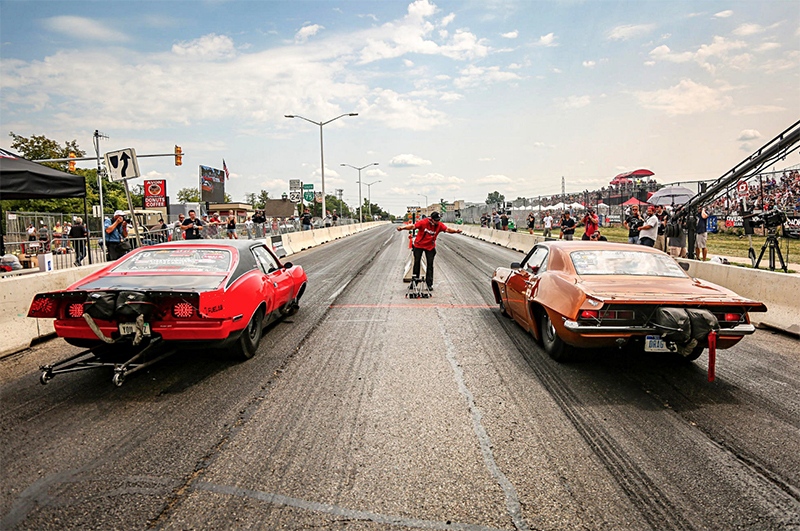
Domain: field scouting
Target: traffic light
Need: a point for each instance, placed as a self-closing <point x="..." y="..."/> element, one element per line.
<point x="72" y="162"/>
<point x="178" y="156"/>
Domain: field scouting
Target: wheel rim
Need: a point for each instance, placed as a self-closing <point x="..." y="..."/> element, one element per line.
<point x="551" y="330"/>
<point x="253" y="329"/>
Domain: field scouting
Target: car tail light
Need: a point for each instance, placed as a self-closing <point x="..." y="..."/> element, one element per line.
<point x="42" y="307"/>
<point x="183" y="310"/>
<point x="589" y="314"/>
<point x="624" y="315"/>
<point x="732" y="317"/>
<point x="75" y="310"/>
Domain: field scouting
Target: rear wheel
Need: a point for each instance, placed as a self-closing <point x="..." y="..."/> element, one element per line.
<point x="503" y="308"/>
<point x="247" y="344"/>
<point x="553" y="345"/>
<point x="290" y="308"/>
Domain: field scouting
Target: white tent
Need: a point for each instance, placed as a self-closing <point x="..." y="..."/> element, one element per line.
<point x="576" y="206"/>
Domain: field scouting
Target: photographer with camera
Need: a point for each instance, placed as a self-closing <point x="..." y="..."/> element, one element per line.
<point x="701" y="238"/>
<point x="116" y="232"/>
<point x="590" y="222"/>
<point x="191" y="227"/>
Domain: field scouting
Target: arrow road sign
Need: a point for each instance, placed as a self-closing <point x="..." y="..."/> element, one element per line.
<point x="122" y="164"/>
<point x="308" y="186"/>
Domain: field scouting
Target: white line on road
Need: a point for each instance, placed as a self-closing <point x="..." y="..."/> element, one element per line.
<point x="512" y="500"/>
<point x="277" y="499"/>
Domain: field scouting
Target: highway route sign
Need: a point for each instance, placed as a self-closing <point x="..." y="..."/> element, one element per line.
<point x="122" y="164"/>
<point x="294" y="185"/>
<point x="308" y="196"/>
<point x="294" y="196"/>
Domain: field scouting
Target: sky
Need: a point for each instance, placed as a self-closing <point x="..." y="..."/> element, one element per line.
<point x="454" y="99"/>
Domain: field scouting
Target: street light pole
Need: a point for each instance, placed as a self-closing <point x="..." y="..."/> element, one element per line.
<point x="426" y="200"/>
<point x="369" y="195"/>
<point x="321" y="151"/>
<point x="360" y="200"/>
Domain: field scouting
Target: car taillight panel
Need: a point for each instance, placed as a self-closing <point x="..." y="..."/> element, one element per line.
<point x="43" y="307"/>
<point x="75" y="310"/>
<point x="183" y="310"/>
<point x="732" y="317"/>
<point x="589" y="314"/>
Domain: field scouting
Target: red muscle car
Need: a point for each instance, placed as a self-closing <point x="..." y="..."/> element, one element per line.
<point x="216" y="292"/>
<point x="598" y="294"/>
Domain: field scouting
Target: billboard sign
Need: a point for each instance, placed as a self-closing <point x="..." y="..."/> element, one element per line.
<point x="155" y="193"/>
<point x="212" y="185"/>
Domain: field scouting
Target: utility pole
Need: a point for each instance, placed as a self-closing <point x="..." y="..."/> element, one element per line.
<point x="97" y="136"/>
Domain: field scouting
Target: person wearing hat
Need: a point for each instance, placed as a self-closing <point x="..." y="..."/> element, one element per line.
<point x="425" y="241"/>
<point x="116" y="232"/>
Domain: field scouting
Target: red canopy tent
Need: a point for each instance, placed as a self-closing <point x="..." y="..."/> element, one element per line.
<point x="633" y="201"/>
<point x="624" y="177"/>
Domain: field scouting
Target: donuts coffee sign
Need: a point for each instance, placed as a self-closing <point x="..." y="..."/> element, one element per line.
<point x="155" y="194"/>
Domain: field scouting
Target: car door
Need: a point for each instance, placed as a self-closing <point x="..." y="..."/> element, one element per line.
<point x="275" y="276"/>
<point x="521" y="281"/>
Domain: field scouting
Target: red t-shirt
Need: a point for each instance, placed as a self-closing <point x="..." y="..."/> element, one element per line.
<point x="426" y="236"/>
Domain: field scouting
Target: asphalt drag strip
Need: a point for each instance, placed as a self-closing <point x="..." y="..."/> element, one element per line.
<point x="369" y="410"/>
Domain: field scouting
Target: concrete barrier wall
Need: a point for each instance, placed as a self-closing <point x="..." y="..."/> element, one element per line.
<point x="16" y="293"/>
<point x="778" y="291"/>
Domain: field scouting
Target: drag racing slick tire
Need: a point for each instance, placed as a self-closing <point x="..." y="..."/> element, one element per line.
<point x="553" y="345"/>
<point x="247" y="344"/>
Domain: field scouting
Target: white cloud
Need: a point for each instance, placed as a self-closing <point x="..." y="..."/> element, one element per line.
<point x="724" y="14"/>
<point x="435" y="179"/>
<point x="514" y="66"/>
<point x="494" y="179"/>
<point x="307" y="31"/>
<point x="329" y="172"/>
<point x="376" y="172"/>
<point x="574" y="102"/>
<point x="748" y="29"/>
<point x="407" y="159"/>
<point x="766" y="46"/>
<point x="589" y="64"/>
<point x="748" y="134"/>
<point x="485" y="159"/>
<point x="687" y="97"/>
<point x="649" y="63"/>
<point x="408" y="62"/>
<point x="368" y="15"/>
<point x="557" y="71"/>
<point x="510" y="35"/>
<point x="209" y="47"/>
<point x="475" y="75"/>
<point x="397" y="111"/>
<point x="451" y="97"/>
<point x="757" y="109"/>
<point x="447" y="20"/>
<point x="630" y="31"/>
<point x="84" y="29"/>
<point x="547" y="40"/>
<point x="709" y="56"/>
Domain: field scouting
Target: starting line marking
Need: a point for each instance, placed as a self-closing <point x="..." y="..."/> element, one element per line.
<point x="411" y="306"/>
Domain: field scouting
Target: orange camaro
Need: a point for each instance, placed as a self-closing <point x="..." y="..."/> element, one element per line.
<point x="597" y="294"/>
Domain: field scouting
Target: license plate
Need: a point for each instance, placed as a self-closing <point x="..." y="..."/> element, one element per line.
<point x="128" y="329"/>
<point x="656" y="344"/>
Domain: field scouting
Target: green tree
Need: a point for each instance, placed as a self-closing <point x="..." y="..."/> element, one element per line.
<point x="494" y="198"/>
<point x="258" y="200"/>
<point x="189" y="195"/>
<point x="41" y="147"/>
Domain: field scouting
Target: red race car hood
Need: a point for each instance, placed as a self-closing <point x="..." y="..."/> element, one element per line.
<point x="657" y="289"/>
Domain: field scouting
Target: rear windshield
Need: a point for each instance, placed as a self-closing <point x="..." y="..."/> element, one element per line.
<point x="177" y="260"/>
<point x="625" y="263"/>
<point x="156" y="282"/>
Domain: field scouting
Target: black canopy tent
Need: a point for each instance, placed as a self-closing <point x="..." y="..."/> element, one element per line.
<point x="23" y="179"/>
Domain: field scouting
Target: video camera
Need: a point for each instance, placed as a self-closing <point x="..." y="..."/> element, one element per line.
<point x="770" y="219"/>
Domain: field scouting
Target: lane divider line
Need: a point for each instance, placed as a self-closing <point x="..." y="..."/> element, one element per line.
<point x="512" y="500"/>
<point x="411" y="306"/>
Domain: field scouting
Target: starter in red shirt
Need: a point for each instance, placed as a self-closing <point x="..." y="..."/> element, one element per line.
<point x="426" y="237"/>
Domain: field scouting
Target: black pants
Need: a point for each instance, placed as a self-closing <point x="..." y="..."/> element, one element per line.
<point x="428" y="264"/>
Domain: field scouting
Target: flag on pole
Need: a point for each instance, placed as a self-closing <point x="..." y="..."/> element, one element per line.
<point x="225" y="167"/>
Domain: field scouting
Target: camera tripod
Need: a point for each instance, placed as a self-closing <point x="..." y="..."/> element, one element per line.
<point x="774" y="248"/>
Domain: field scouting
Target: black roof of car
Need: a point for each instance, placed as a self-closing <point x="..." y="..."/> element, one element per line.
<point x="241" y="245"/>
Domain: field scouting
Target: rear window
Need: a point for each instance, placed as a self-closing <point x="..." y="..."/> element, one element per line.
<point x="625" y="263"/>
<point x="177" y="260"/>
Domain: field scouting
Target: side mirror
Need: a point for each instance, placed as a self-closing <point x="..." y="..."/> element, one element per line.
<point x="684" y="265"/>
<point x="516" y="265"/>
<point x="287" y="265"/>
<point x="534" y="269"/>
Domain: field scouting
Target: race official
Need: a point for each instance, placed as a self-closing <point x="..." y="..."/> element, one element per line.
<point x="425" y="242"/>
<point x="191" y="227"/>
